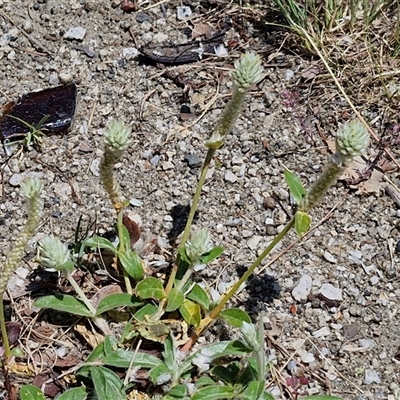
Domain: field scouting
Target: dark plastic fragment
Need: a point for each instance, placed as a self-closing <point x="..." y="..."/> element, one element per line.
<point x="57" y="104"/>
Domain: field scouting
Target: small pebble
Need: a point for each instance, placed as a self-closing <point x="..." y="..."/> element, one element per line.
<point x="330" y="292"/>
<point x="142" y="17"/>
<point x="253" y="242"/>
<point x="15" y="180"/>
<point x="324" y="331"/>
<point x="329" y="257"/>
<point x="193" y="161"/>
<point x="183" y="12"/>
<point x="230" y="177"/>
<point x="75" y="33"/>
<point x="94" y="167"/>
<point x="371" y="376"/>
<point x="130" y="53"/>
<point x="374" y="280"/>
<point x="301" y="291"/>
<point x="308" y="358"/>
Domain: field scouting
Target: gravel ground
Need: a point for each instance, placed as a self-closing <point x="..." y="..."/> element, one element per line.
<point x="345" y="339"/>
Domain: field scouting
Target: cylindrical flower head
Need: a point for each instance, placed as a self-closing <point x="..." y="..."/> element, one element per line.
<point x="248" y="71"/>
<point x="352" y="140"/>
<point x="199" y="244"/>
<point x="116" y="137"/>
<point x="249" y="336"/>
<point x="116" y="141"/>
<point x="54" y="254"/>
<point x="32" y="189"/>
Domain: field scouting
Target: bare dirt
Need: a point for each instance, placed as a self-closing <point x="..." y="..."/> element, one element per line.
<point x="346" y="347"/>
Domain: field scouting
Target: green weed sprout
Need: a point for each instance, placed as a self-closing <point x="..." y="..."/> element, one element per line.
<point x="34" y="135"/>
<point x="248" y="71"/>
<point x="32" y="189"/>
<point x="55" y="255"/>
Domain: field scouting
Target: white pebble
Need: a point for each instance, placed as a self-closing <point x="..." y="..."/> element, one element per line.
<point x="75" y="33"/>
<point x="330" y="292"/>
<point x="15" y="180"/>
<point x="301" y="291"/>
<point x="329" y="257"/>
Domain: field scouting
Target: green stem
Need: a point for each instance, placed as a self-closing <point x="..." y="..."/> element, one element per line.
<point x="99" y="321"/>
<point x="196" y="198"/>
<point x="79" y="292"/>
<point x="185" y="236"/>
<point x="215" y="312"/>
<point x="260" y="352"/>
<point x="6" y="343"/>
<point x="122" y="249"/>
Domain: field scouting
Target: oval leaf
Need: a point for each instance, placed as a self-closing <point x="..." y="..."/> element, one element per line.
<point x="295" y="186"/>
<point x="74" y="394"/>
<point x="191" y="312"/>
<point x="211" y="255"/>
<point x="132" y="264"/>
<point x="117" y="300"/>
<point x="64" y="303"/>
<point x="148" y="309"/>
<point x="175" y="300"/>
<point x="215" y="392"/>
<point x="199" y="296"/>
<point x="235" y="316"/>
<point x="150" y="288"/>
<point x="160" y="374"/>
<point x="98" y="242"/>
<point x="107" y="384"/>
<point x="31" y="392"/>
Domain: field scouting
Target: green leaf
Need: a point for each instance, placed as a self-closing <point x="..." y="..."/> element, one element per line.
<point x="126" y="239"/>
<point x="302" y="222"/>
<point x="235" y="348"/>
<point x="30" y="392"/>
<point x="160" y="374"/>
<point x="254" y="390"/>
<point x="211" y="255"/>
<point x="64" y="303"/>
<point x="169" y="353"/>
<point x="123" y="359"/>
<point x="215" y="392"/>
<point x="295" y="186"/>
<point x="147" y="310"/>
<point x="175" y="300"/>
<point x="117" y="357"/>
<point x="98" y="242"/>
<point x="150" y="288"/>
<point x="178" y="391"/>
<point x="131" y="263"/>
<point x="107" y="384"/>
<point x="199" y="296"/>
<point x="191" y="312"/>
<point x="204" y="381"/>
<point x="235" y="316"/>
<point x="74" y="394"/>
<point x="267" y="396"/>
<point x="183" y="256"/>
<point x="320" y="397"/>
<point x="227" y="374"/>
<point x="117" y="300"/>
